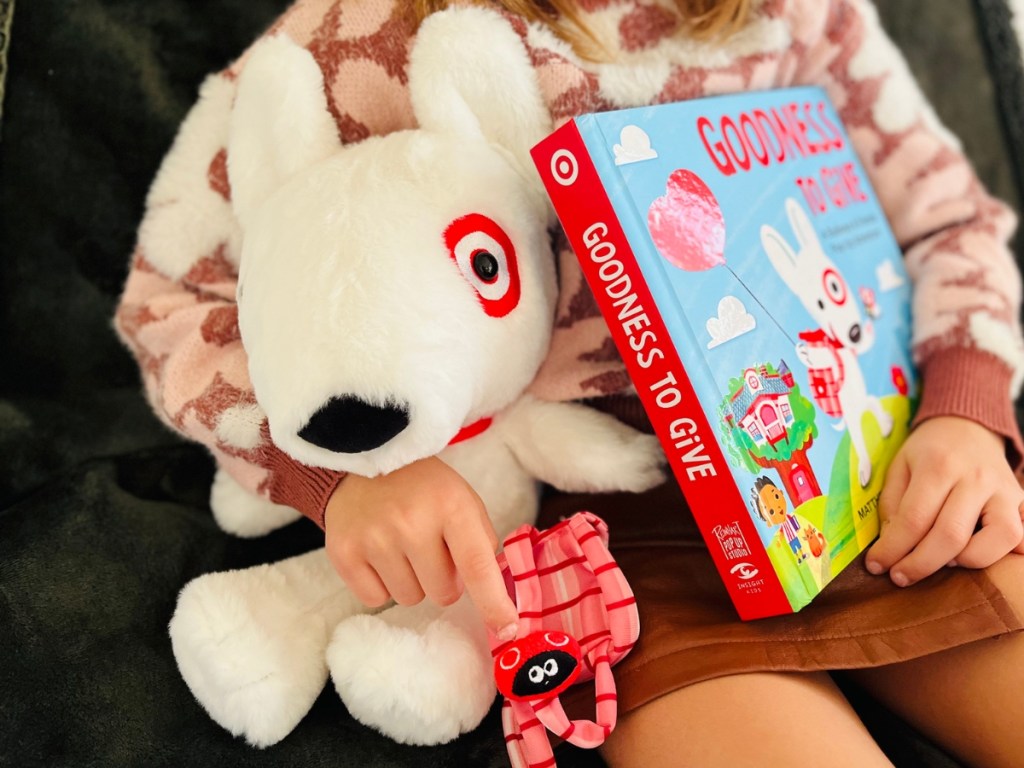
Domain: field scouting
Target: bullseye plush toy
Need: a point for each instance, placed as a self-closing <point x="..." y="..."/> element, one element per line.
<point x="395" y="300"/>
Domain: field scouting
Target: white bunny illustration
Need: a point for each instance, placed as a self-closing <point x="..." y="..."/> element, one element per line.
<point x="392" y="293"/>
<point x="830" y="353"/>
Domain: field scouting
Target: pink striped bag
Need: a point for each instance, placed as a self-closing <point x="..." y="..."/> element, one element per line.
<point x="577" y="617"/>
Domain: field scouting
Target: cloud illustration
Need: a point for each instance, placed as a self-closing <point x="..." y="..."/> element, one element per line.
<point x="733" y="320"/>
<point x="888" y="278"/>
<point x="634" y="146"/>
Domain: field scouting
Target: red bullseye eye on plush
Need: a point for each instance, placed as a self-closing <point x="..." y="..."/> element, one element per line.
<point x="484" y="254"/>
<point x="538" y="666"/>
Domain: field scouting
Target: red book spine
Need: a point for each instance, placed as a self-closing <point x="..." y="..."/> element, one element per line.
<point x="582" y="204"/>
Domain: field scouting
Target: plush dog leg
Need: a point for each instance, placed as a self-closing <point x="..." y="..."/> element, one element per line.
<point x="576" y="448"/>
<point x="250" y="644"/>
<point x="243" y="514"/>
<point x="420" y="675"/>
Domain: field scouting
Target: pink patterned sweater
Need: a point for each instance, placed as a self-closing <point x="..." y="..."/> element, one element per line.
<point x="178" y="313"/>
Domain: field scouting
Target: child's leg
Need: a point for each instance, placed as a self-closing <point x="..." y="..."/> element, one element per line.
<point x="760" y="719"/>
<point x="969" y="699"/>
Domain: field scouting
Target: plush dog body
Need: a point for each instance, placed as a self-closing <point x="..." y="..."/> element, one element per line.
<point x="393" y="295"/>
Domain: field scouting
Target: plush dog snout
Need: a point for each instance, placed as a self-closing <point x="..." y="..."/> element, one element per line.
<point x="350" y="425"/>
<point x="855" y="333"/>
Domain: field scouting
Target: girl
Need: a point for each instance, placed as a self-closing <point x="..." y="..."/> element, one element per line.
<point x="701" y="688"/>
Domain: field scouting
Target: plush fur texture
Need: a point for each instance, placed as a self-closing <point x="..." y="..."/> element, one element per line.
<point x="357" y="284"/>
<point x="240" y="513"/>
<point x="250" y="644"/>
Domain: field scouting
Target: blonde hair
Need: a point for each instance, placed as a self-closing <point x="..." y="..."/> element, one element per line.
<point x="704" y="18"/>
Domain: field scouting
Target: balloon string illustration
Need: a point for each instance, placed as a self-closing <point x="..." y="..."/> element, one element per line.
<point x="769" y="315"/>
<point x="688" y="229"/>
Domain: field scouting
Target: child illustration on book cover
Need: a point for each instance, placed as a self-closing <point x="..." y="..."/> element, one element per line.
<point x="772" y="508"/>
<point x="806" y="543"/>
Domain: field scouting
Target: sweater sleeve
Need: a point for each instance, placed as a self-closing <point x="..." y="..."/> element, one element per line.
<point x="179" y="318"/>
<point x="966" y="286"/>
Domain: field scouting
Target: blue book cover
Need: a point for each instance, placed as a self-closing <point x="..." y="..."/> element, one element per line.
<point x="760" y="302"/>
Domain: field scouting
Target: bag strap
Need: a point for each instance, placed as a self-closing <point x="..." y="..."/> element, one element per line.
<point x="526" y="739"/>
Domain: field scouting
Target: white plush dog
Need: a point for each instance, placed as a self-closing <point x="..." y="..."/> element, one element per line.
<point x="844" y="333"/>
<point x="391" y="293"/>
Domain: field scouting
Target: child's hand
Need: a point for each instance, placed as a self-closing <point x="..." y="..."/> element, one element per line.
<point x="949" y="498"/>
<point x="418" y="532"/>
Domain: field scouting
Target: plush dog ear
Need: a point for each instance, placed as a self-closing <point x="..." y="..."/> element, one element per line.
<point x="470" y="74"/>
<point x="280" y="123"/>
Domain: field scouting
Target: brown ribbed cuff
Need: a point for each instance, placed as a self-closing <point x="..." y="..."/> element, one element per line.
<point x="975" y="385"/>
<point x="307" y="489"/>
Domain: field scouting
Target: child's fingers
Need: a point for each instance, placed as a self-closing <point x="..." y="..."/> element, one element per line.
<point x="364" y="583"/>
<point x="896" y="481"/>
<point x="472" y="549"/>
<point x="909" y="522"/>
<point x="357" y="573"/>
<point x="399" y="578"/>
<point x="1019" y="549"/>
<point x="436" y="572"/>
<point x="893" y="489"/>
<point x="948" y="536"/>
<point x="1001" y="531"/>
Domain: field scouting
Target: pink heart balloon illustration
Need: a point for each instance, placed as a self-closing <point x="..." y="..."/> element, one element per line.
<point x="686" y="223"/>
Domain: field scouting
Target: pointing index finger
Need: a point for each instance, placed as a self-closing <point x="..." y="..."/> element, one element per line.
<point x="472" y="550"/>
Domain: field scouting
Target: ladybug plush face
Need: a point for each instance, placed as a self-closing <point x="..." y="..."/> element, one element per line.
<point x="538" y="666"/>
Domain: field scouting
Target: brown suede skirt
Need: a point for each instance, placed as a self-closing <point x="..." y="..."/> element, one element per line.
<point x="689" y="630"/>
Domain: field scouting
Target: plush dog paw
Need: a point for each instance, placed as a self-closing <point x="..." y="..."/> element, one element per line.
<point x="576" y="448"/>
<point x="419" y="684"/>
<point x="242" y="514"/>
<point x="253" y="662"/>
<point x="641" y="464"/>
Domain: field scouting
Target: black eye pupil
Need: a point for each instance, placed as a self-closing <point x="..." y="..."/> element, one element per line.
<point x="821" y="304"/>
<point x="485" y="266"/>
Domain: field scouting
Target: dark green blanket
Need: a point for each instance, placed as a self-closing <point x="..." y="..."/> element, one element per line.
<point x="103" y="512"/>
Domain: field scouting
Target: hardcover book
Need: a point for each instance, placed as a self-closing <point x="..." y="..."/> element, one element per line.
<point x="759" y="300"/>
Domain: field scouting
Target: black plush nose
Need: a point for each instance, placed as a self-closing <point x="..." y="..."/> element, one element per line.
<point x="350" y="425"/>
<point x="855" y="333"/>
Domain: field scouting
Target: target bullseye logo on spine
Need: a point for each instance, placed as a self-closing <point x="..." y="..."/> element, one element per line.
<point x="564" y="168"/>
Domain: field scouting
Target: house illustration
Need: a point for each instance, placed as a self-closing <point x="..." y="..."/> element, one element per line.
<point x="761" y="405"/>
<point x="768" y="424"/>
